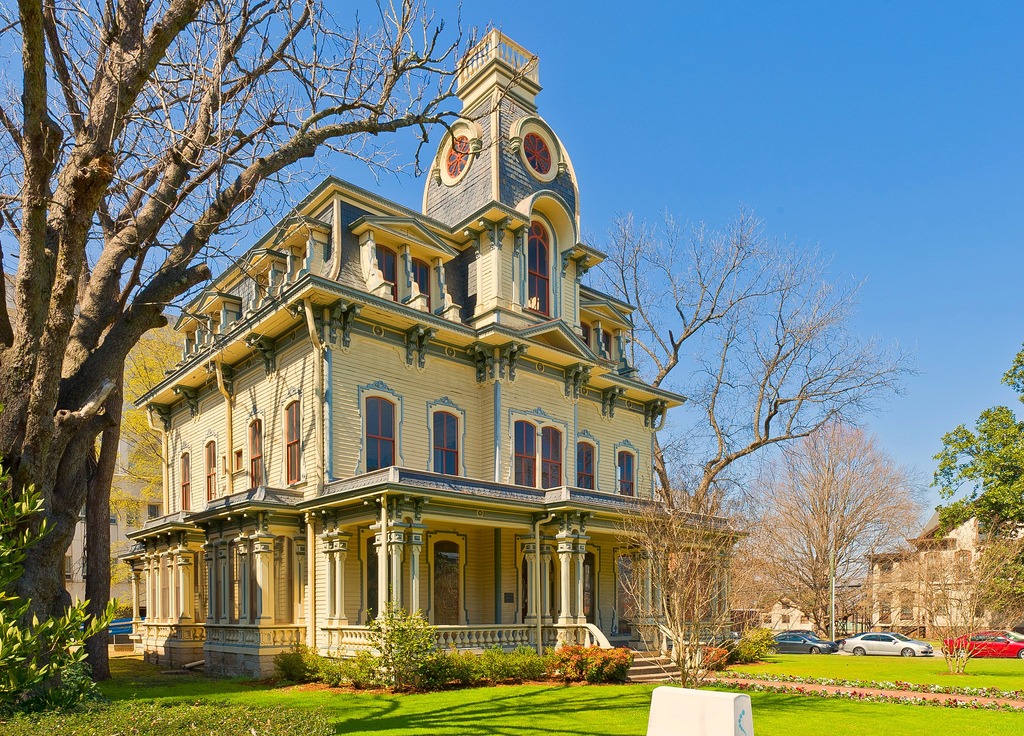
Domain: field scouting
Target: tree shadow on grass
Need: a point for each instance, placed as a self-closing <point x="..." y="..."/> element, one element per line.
<point x="508" y="712"/>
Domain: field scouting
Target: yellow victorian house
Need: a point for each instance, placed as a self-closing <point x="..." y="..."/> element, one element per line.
<point x="376" y="404"/>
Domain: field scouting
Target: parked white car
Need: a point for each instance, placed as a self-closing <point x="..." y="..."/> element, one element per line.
<point x="887" y="642"/>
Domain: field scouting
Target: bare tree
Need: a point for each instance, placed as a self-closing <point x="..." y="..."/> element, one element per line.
<point x="963" y="590"/>
<point x="133" y="132"/>
<point x="828" y="502"/>
<point x="753" y="332"/>
<point x="677" y="581"/>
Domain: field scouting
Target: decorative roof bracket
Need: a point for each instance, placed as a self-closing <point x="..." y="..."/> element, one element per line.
<point x="417" y="338"/>
<point x="608" y="399"/>
<point x="267" y="349"/>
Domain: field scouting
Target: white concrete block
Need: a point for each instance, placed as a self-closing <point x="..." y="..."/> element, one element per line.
<point x="677" y="711"/>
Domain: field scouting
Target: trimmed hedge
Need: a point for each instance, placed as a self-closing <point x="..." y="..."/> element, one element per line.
<point x="137" y="718"/>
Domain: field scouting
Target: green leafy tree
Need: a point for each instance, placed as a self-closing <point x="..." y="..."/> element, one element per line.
<point x="981" y="472"/>
<point x="42" y="663"/>
<point x="403" y="642"/>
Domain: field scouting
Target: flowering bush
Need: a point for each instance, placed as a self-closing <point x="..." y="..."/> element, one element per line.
<point x="714" y="658"/>
<point x="590" y="664"/>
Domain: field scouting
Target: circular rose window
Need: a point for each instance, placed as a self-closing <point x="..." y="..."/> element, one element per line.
<point x="458" y="156"/>
<point x="537" y="153"/>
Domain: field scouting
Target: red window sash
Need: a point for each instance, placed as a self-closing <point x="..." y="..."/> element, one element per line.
<point x="292" y="443"/>
<point x="256" y="454"/>
<point x="525" y="454"/>
<point x="186" y="482"/>
<point x="211" y="471"/>
<point x="551" y="458"/>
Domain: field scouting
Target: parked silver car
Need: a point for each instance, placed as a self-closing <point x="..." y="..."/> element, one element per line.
<point x="886" y="642"/>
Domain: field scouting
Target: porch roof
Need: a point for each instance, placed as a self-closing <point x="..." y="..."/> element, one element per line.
<point x="470" y="489"/>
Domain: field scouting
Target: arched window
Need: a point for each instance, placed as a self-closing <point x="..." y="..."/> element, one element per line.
<point x="447" y="565"/>
<point x="421" y="275"/>
<point x="550" y="458"/>
<point x="446" y="443"/>
<point x="538" y="269"/>
<point x="584" y="465"/>
<point x="626" y="478"/>
<point x="380" y="433"/>
<point x="211" y="470"/>
<point x="256" y="475"/>
<point x="186" y="481"/>
<point x="526" y="454"/>
<point x="292" y="445"/>
<point x="387" y="263"/>
<point x="585" y="331"/>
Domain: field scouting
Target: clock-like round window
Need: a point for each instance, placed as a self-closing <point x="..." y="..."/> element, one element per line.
<point x="537" y="153"/>
<point x="458" y="156"/>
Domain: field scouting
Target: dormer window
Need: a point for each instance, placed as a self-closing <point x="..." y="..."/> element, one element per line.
<point x="539" y="270"/>
<point x="421" y="276"/>
<point x="605" y="344"/>
<point x="387" y="264"/>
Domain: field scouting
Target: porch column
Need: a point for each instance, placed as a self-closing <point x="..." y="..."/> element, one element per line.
<point x="158" y="596"/>
<point x="136" y="579"/>
<point x="382" y="573"/>
<point x="171" y="570"/>
<point x="648" y="608"/>
<point x="209" y="557"/>
<point x="186" y="586"/>
<point x="415" y="545"/>
<point x="300" y="581"/>
<point x="332" y="577"/>
<point x="545" y="583"/>
<point x="147" y="570"/>
<point x="530" y="588"/>
<point x="395" y="546"/>
<point x="243" y="597"/>
<point x="222" y="583"/>
<point x="565" y="555"/>
<point x="580" y="552"/>
<point x="340" y="555"/>
<point x="263" y="562"/>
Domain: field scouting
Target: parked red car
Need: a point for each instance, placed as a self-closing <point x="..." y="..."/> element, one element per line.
<point x="990" y="644"/>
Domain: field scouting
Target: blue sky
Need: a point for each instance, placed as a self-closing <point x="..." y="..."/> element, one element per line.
<point x="886" y="133"/>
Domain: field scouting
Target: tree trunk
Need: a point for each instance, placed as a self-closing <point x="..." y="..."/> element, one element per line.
<point x="97" y="536"/>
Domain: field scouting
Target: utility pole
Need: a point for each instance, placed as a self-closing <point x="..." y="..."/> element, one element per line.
<point x="832" y="596"/>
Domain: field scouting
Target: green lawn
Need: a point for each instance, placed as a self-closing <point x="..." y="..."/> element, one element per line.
<point x="540" y="710"/>
<point x="1006" y="674"/>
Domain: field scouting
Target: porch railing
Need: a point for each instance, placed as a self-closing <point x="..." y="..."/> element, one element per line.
<point x="346" y="641"/>
<point x="248" y="635"/>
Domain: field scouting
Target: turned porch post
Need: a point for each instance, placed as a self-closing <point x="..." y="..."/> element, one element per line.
<point x="263" y="562"/>
<point x="565" y="554"/>
<point x="186" y="586"/>
<point x="415" y="544"/>
<point x="136" y="579"/>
